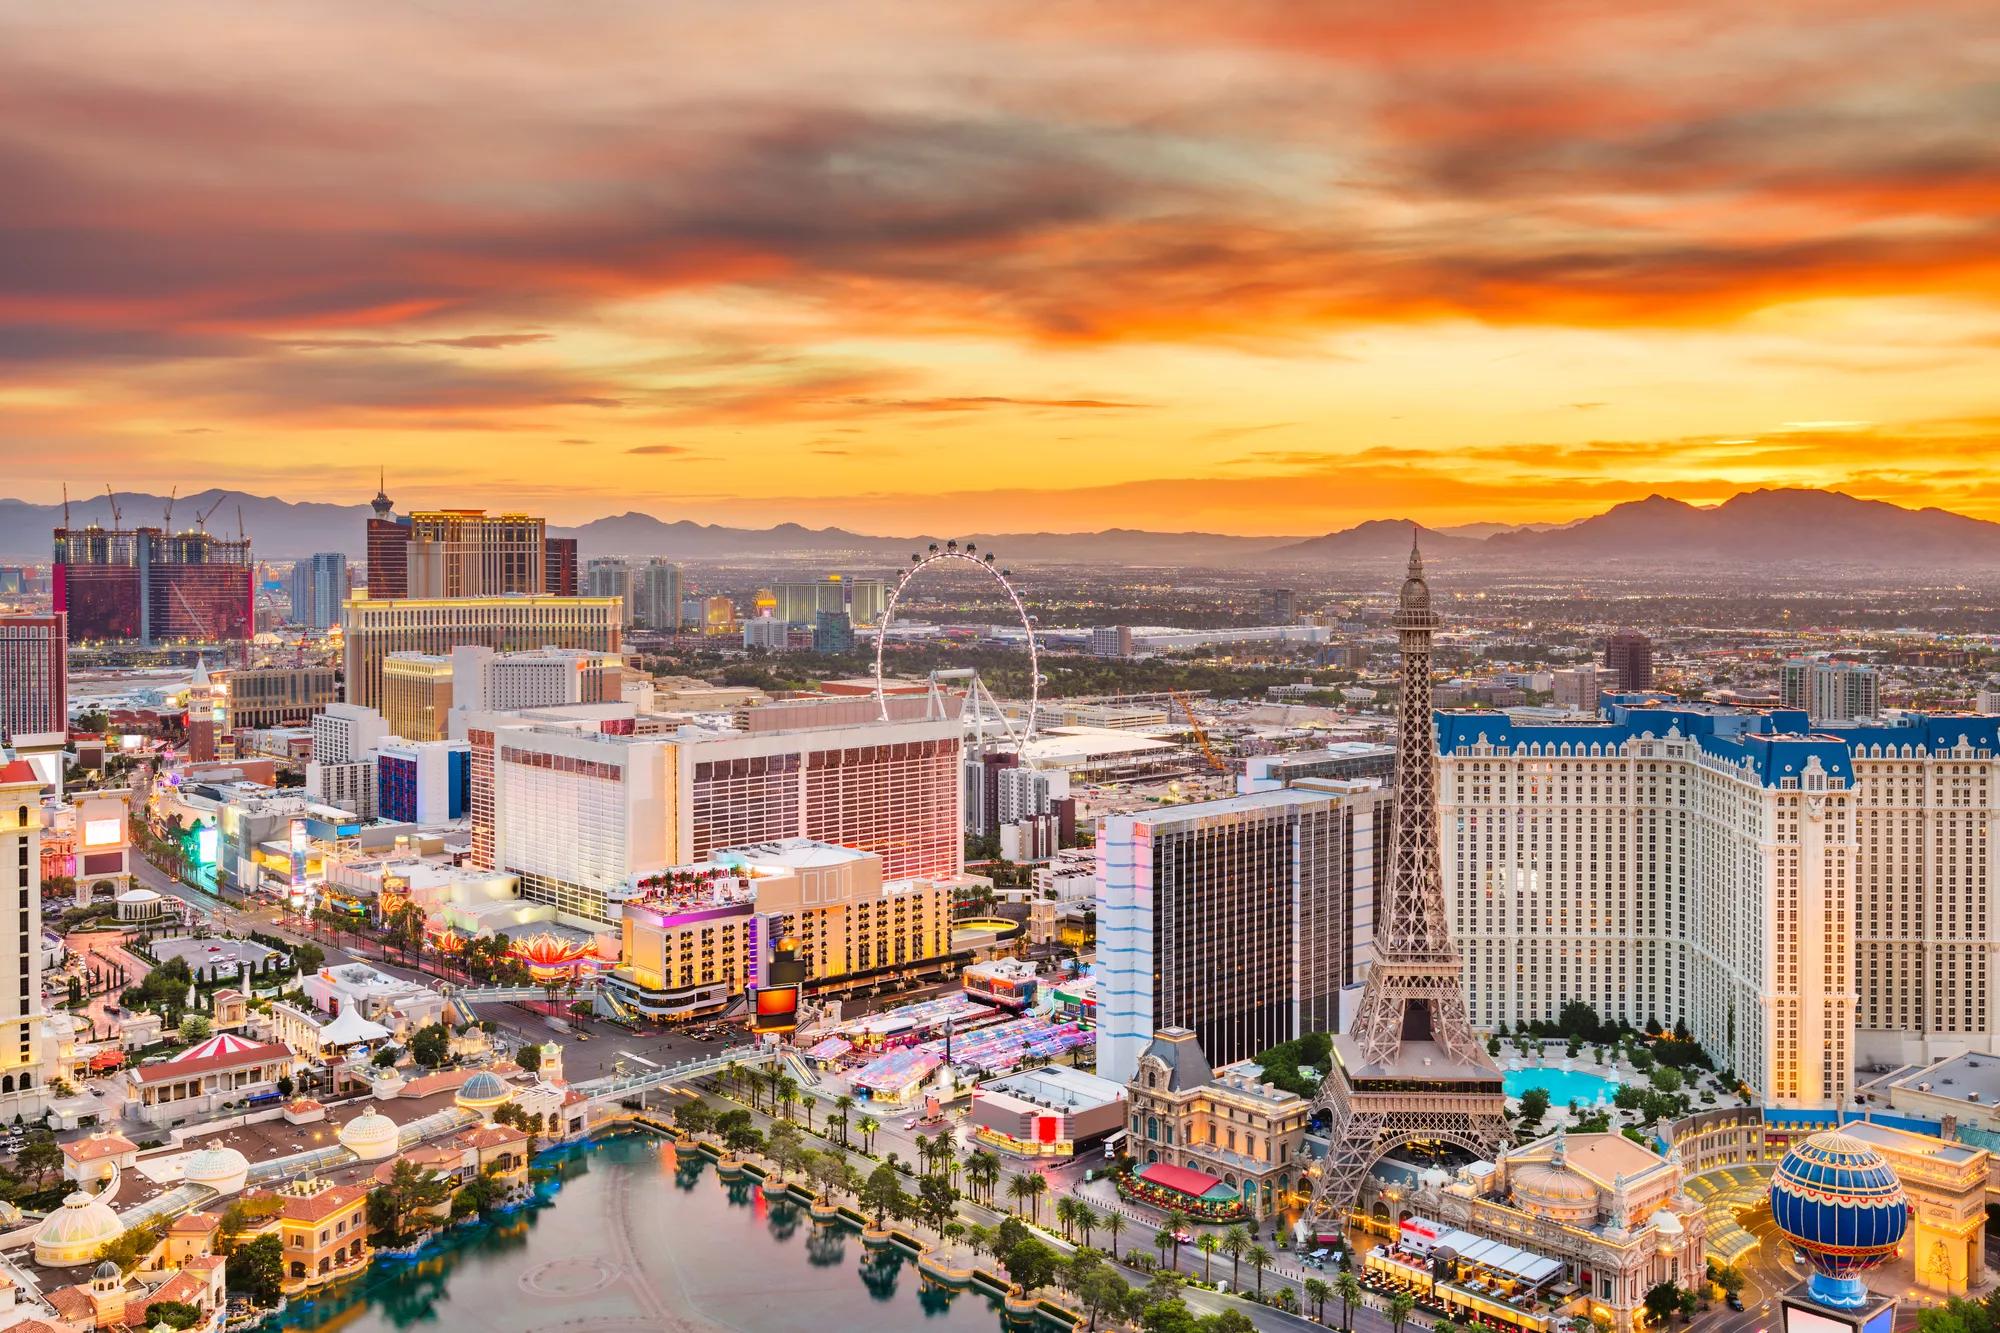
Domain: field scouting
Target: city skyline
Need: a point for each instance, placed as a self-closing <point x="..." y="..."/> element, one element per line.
<point x="1174" y="267"/>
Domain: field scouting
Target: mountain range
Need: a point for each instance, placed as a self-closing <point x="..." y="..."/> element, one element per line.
<point x="1760" y="526"/>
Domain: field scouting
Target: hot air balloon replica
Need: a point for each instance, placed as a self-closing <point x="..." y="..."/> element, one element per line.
<point x="1837" y="1200"/>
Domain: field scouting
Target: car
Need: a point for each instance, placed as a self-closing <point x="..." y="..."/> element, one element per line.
<point x="1734" y="1302"/>
<point x="1183" y="1238"/>
<point x="911" y="1123"/>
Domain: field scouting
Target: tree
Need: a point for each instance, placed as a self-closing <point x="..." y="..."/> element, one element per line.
<point x="308" y="958"/>
<point x="1066" y="1216"/>
<point x="808" y="1101"/>
<point x="1534" y="1105"/>
<point x="1401" y="1306"/>
<point x="173" y="1313"/>
<point x="1726" y="1276"/>
<point x="478" y="1196"/>
<point x="1114" y="1223"/>
<point x="1260" y="1259"/>
<point x="982" y="1172"/>
<point x="937" y="1199"/>
<point x="285" y="1085"/>
<point x="1235" y="1240"/>
<point x="1208" y="1243"/>
<point x="1667" y="1079"/>
<point x="879" y="1195"/>
<point x="693" y="1116"/>
<point x="1959" y="1315"/>
<point x="529" y="1057"/>
<point x="241" y="1215"/>
<point x="1163" y="1240"/>
<point x="1087" y="1220"/>
<point x="868" y="1124"/>
<point x="430" y="1045"/>
<point x="1102" y="1292"/>
<point x="38" y="1157"/>
<point x="131" y="1248"/>
<point x="841" y="1106"/>
<point x="1348" y="1287"/>
<point x="1317" y="1291"/>
<point x="196" y="1027"/>
<point x="1031" y="1264"/>
<point x="409" y="1189"/>
<point x="1034" y="1186"/>
<point x="257" y="1270"/>
<point x="1663" y="1302"/>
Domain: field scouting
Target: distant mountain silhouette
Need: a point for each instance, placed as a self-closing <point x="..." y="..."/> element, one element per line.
<point x="1778" y="526"/>
<point x="1376" y="539"/>
<point x="1766" y="525"/>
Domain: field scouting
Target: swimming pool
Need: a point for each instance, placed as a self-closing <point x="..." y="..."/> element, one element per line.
<point x="1563" y="1085"/>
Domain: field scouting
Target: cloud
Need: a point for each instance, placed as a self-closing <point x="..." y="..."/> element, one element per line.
<point x="657" y="449"/>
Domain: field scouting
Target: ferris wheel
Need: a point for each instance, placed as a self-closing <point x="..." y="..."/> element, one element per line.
<point x="969" y="554"/>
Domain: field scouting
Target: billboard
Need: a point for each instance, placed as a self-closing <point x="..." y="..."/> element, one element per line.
<point x="301" y="843"/>
<point x="775" y="1009"/>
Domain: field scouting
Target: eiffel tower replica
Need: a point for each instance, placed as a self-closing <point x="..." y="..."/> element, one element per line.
<point x="1409" y="1069"/>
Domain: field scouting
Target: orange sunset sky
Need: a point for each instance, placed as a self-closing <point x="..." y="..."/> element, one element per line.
<point x="1263" y="266"/>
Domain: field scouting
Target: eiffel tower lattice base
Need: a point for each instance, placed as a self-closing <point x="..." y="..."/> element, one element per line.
<point x="1367" y="1125"/>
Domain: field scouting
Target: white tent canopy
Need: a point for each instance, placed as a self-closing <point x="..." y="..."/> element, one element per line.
<point x="350" y="1028"/>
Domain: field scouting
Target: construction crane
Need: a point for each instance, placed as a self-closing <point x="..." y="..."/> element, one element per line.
<point x="116" y="517"/>
<point x="172" y="495"/>
<point x="201" y="520"/>
<point x="1215" y="761"/>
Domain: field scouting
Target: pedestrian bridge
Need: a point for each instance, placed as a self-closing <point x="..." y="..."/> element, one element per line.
<point x="611" y="1087"/>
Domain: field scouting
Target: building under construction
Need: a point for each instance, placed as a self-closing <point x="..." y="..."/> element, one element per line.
<point x="151" y="587"/>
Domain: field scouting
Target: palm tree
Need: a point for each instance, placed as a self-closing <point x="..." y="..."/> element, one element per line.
<point x="1208" y="1243"/>
<point x="1066" y="1216"/>
<point x="772" y="1077"/>
<point x="1017" y="1190"/>
<point x="1162" y="1240"/>
<point x="1258" y="1257"/>
<point x="1086" y="1220"/>
<point x="1038" y="1185"/>
<point x="1401" y="1306"/>
<point x="784" y="1092"/>
<point x="1113" y="1224"/>
<point x="982" y="1171"/>
<point x="1235" y="1240"/>
<point x="1176" y="1227"/>
<point x="841" y="1106"/>
<point x="869" y="1124"/>
<point x="808" y="1101"/>
<point x="1317" y="1291"/>
<point x="1349" y="1288"/>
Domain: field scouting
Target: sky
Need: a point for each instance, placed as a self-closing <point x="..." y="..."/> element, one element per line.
<point x="1265" y="266"/>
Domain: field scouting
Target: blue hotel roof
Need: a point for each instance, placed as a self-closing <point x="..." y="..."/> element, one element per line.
<point x="1776" y="743"/>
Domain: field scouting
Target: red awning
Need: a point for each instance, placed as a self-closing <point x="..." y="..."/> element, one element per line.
<point x="1181" y="1179"/>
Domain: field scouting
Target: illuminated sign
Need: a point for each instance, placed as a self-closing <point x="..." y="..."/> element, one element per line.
<point x="776" y="1009"/>
<point x="207" y="844"/>
<point x="1048" y="1128"/>
<point x="103" y="832"/>
<point x="300" y="844"/>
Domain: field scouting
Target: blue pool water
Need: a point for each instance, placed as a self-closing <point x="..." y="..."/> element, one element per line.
<point x="1563" y="1085"/>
